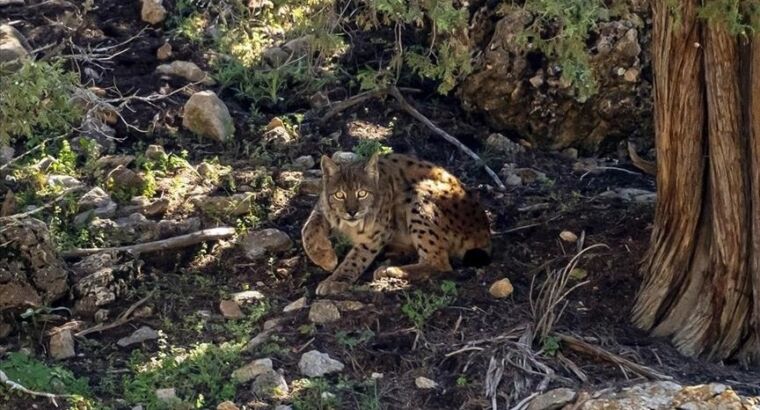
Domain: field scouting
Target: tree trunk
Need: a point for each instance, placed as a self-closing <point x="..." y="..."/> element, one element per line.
<point x="702" y="271"/>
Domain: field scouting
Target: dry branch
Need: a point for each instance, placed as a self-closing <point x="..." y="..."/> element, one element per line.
<point x="648" y="167"/>
<point x="176" y="242"/>
<point x="124" y="318"/>
<point x="581" y="346"/>
<point x="16" y="386"/>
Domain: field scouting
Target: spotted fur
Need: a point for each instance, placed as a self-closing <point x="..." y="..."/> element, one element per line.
<point x="398" y="203"/>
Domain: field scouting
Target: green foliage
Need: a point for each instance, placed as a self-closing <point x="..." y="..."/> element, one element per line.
<point x="244" y="328"/>
<point x="740" y="17"/>
<point x="350" y="340"/>
<point x="36" y="102"/>
<point x="366" y="148"/>
<point x="36" y="375"/>
<point x="200" y="374"/>
<point x="550" y="345"/>
<point x="314" y="394"/>
<point x="420" y="306"/>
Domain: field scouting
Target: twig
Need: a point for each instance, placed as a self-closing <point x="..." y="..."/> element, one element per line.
<point x="33" y="149"/>
<point x="608" y="169"/>
<point x="416" y="114"/>
<point x="181" y="241"/>
<point x="524" y="402"/>
<point x="123" y="318"/>
<point x="584" y="347"/>
<point x="17" y="386"/>
<point x="5" y="219"/>
<point x="356" y="100"/>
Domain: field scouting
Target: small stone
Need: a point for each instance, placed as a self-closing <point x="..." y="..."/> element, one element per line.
<point x="258" y="244"/>
<point x="289" y="179"/>
<point x="227" y="405"/>
<point x="570" y="153"/>
<point x="300" y="47"/>
<point x="502" y="144"/>
<point x="6" y="154"/>
<point x="323" y="311"/>
<point x="187" y="70"/>
<point x="568" y="236"/>
<point x="304" y="162"/>
<point x="275" y="122"/>
<point x="425" y="383"/>
<point x="283" y="407"/>
<point x="153" y="12"/>
<point x="513" y="180"/>
<point x="271" y="324"/>
<point x="376" y="376"/>
<point x="348" y="305"/>
<point x="102" y="315"/>
<point x="501" y="288"/>
<point x="631" y="75"/>
<point x="270" y="384"/>
<point x="95" y="198"/>
<point x="63" y="181"/>
<point x="140" y="335"/>
<point x="164" y="52"/>
<point x="252" y="370"/>
<point x="230" y="309"/>
<point x="113" y="161"/>
<point x="166" y="395"/>
<point x="279" y="137"/>
<point x="124" y="178"/>
<point x="345" y="157"/>
<point x="553" y="399"/>
<point x="206" y="115"/>
<point x="537" y="80"/>
<point x="318" y="364"/>
<point x="296" y="305"/>
<point x="62" y="345"/>
<point x="247" y="296"/>
<point x="155" y="152"/>
<point x="258" y="340"/>
<point x="274" y="56"/>
<point x="578" y="274"/>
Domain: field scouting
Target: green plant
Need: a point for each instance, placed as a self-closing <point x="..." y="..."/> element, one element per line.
<point x="350" y="340"/>
<point x="36" y="375"/>
<point x="462" y="381"/>
<point x="200" y="375"/>
<point x="420" y="306"/>
<point x="314" y="394"/>
<point x="242" y="329"/>
<point x="550" y="345"/>
<point x="366" y="148"/>
<point x="36" y="102"/>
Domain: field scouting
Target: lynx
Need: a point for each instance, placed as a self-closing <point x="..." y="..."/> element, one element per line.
<point x="399" y="204"/>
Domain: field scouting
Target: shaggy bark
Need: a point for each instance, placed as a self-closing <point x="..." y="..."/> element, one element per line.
<point x="702" y="270"/>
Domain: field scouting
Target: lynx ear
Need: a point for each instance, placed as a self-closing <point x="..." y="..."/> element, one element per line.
<point x="329" y="167"/>
<point x="371" y="166"/>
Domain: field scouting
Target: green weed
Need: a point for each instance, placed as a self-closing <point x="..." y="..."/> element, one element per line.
<point x="350" y="340"/>
<point x="366" y="148"/>
<point x="36" y="375"/>
<point x="420" y="306"/>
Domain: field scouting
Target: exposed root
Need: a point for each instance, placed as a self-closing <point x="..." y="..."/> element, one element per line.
<point x="648" y="167"/>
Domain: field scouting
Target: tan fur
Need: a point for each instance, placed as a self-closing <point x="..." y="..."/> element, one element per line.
<point x="399" y="203"/>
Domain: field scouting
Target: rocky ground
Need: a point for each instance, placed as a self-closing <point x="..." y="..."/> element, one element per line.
<point x="227" y="318"/>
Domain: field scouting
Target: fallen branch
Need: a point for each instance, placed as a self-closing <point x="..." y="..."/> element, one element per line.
<point x="356" y="100"/>
<point x="7" y="219"/>
<point x="16" y="386"/>
<point x="581" y="346"/>
<point x="416" y="114"/>
<point x="123" y="319"/>
<point x="176" y="242"/>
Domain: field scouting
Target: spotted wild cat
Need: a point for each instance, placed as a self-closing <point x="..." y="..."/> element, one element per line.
<point x="398" y="203"/>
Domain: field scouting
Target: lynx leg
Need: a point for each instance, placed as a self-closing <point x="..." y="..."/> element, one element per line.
<point x="356" y="262"/>
<point x="316" y="241"/>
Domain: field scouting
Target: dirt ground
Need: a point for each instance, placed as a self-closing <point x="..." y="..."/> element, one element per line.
<point x="527" y="221"/>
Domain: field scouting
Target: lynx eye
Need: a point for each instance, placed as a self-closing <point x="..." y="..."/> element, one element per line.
<point x="362" y="194"/>
<point x="340" y="195"/>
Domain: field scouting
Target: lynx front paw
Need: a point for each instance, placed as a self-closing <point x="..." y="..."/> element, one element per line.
<point x="332" y="287"/>
<point x="325" y="258"/>
<point x="388" y="272"/>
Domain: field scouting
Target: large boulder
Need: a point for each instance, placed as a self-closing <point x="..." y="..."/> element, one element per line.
<point x="206" y="115"/>
<point x="520" y="89"/>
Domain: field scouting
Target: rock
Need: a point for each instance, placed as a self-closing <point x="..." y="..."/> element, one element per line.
<point x="654" y="395"/>
<point x="553" y="399"/>
<point x="425" y="383"/>
<point x="62" y="345"/>
<point x="376" y="376"/>
<point x="275" y="56"/>
<point x="570" y="153"/>
<point x="6" y="154"/>
<point x="310" y="186"/>
<point x="348" y="305"/>
<point x="345" y="157"/>
<point x="504" y="145"/>
<point x="270" y="384"/>
<point x="155" y="152"/>
<point x="568" y="236"/>
<point x="530" y="175"/>
<point x="282" y="407"/>
<point x="14" y="49"/>
<point x="513" y="180"/>
<point x="140" y="335"/>
<point x="227" y="405"/>
<point x="300" y="47"/>
<point x="257" y="341"/>
<point x="271" y="324"/>
<point x="632" y="75"/>
<point x="279" y="137"/>
<point x="93" y="263"/>
<point x="94" y="198"/>
<point x="252" y="370"/>
<point x="11" y="3"/>
<point x="631" y="195"/>
<point x="124" y="178"/>
<point x="164" y="52"/>
<point x="167" y="395"/>
<point x="501" y="289"/>
<point x="99" y="287"/>
<point x="275" y="122"/>
<point x="187" y="70"/>
<point x="296" y="305"/>
<point x="230" y="310"/>
<point x="113" y="161"/>
<point x="63" y="181"/>
<point x="153" y="12"/>
<point x="257" y="244"/>
<point x="304" y="162"/>
<point x="145" y="206"/>
<point x="323" y="311"/>
<point x="289" y="179"/>
<point x="578" y="274"/>
<point x="206" y="115"/>
<point x="102" y="315"/>
<point x="317" y="364"/>
<point x="168" y="228"/>
<point x="132" y="229"/>
<point x="247" y="296"/>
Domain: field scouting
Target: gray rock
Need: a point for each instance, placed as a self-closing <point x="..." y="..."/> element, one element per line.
<point x="345" y="157"/>
<point x="167" y="395"/>
<point x="93" y="263"/>
<point x="14" y="49"/>
<point x="274" y="56"/>
<point x="132" y="229"/>
<point x="258" y="340"/>
<point x="62" y="345"/>
<point x="425" y="383"/>
<point x="252" y="370"/>
<point x="296" y="305"/>
<point x="289" y="179"/>
<point x="125" y="179"/>
<point x="155" y="152"/>
<point x="187" y="70"/>
<point x="513" y="180"/>
<point x="553" y="399"/>
<point x="247" y="296"/>
<point x="94" y="198"/>
<point x="206" y="115"/>
<point x="63" y="181"/>
<point x="140" y="335"/>
<point x="279" y="137"/>
<point x="501" y="144"/>
<point x="317" y="364"/>
<point x="113" y="161"/>
<point x="305" y="162"/>
<point x="270" y="384"/>
<point x="257" y="244"/>
<point x="323" y="311"/>
<point x="11" y="3"/>
<point x="6" y="154"/>
<point x="230" y="309"/>
<point x="153" y="12"/>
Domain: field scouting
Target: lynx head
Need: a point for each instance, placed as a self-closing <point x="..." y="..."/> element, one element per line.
<point x="350" y="190"/>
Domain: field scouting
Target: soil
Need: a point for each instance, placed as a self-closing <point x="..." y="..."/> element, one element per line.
<point x="598" y="310"/>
